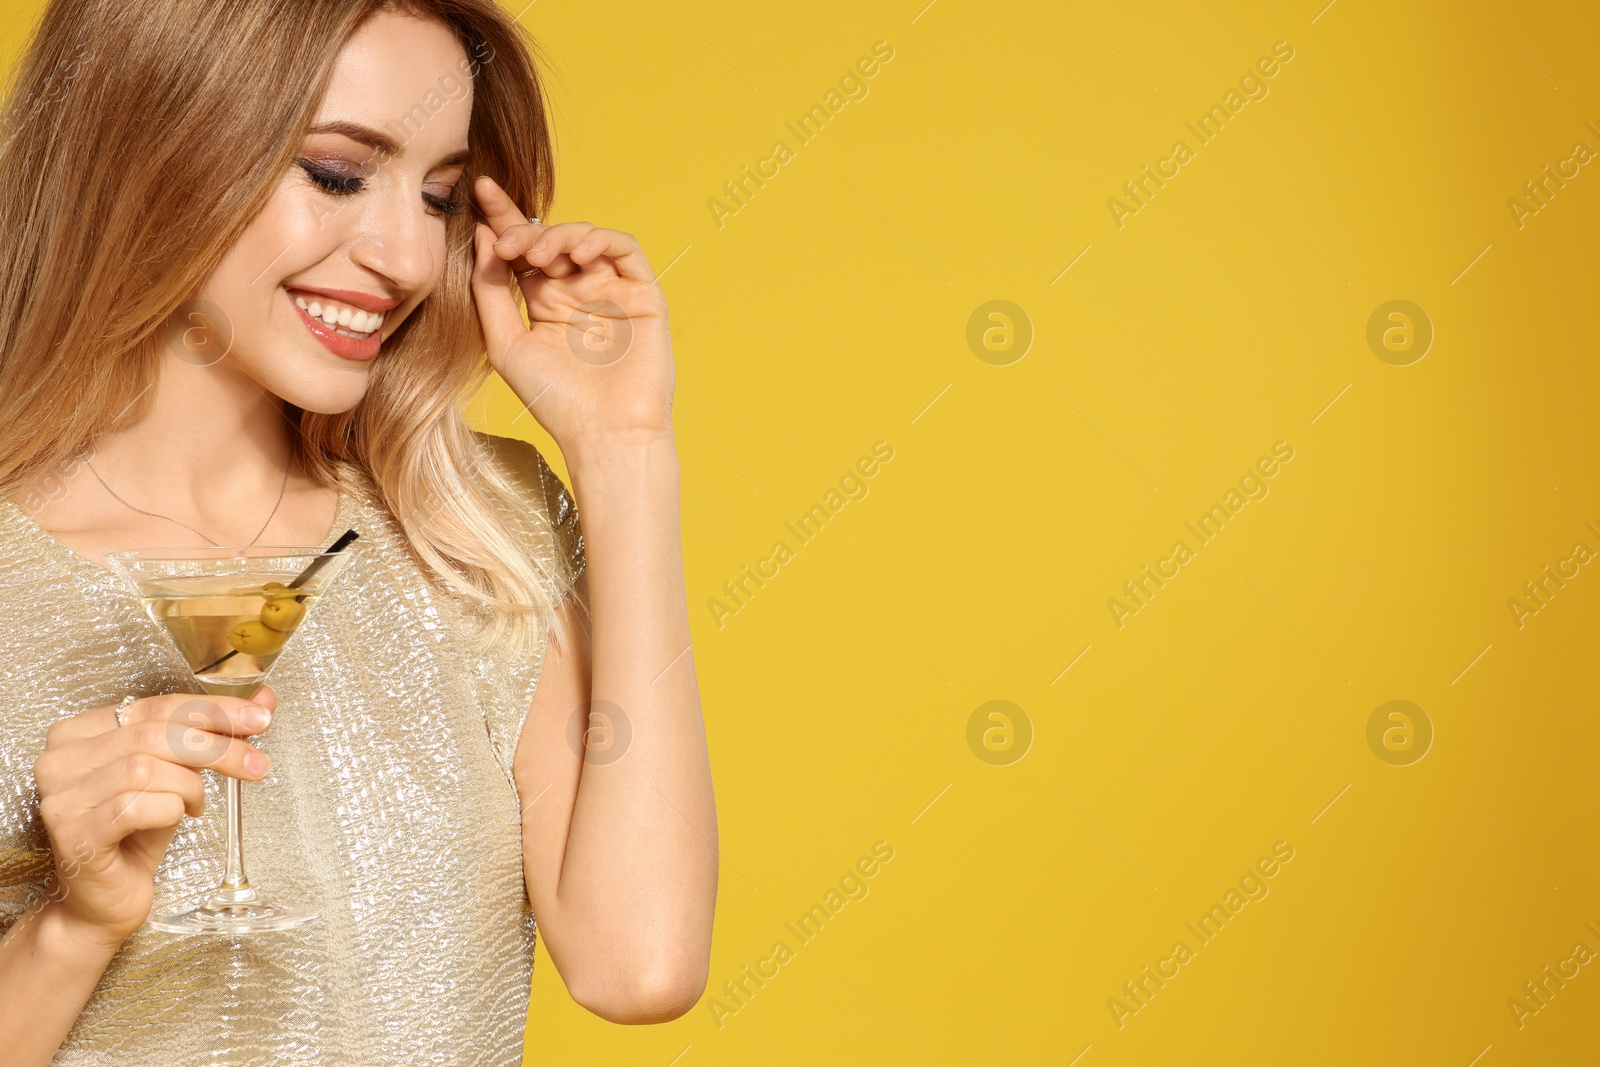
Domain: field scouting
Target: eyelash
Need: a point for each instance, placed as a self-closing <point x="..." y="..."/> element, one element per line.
<point x="342" y="186"/>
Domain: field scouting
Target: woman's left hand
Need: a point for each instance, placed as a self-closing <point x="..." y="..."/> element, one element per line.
<point x="595" y="366"/>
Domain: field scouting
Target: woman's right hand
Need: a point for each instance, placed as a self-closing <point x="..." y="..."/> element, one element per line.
<point x="111" y="796"/>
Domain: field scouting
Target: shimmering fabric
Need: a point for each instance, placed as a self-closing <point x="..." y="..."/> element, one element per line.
<point x="390" y="807"/>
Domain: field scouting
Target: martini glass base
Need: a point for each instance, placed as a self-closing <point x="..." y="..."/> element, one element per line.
<point x="254" y="917"/>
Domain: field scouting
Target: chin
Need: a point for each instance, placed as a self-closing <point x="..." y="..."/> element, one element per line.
<point x="323" y="391"/>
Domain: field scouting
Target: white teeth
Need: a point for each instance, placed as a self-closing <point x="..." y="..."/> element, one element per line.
<point x="356" y="322"/>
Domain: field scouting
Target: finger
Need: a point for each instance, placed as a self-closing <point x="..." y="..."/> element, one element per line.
<point x="499" y="210"/>
<point x="508" y="222"/>
<point x="550" y="259"/>
<point x="126" y="813"/>
<point x="512" y="245"/>
<point x="137" y="773"/>
<point x="181" y="728"/>
<point x="498" y="313"/>
<point x="143" y="773"/>
<point x="265" y="697"/>
<point x="234" y="711"/>
<point x="223" y="715"/>
<point x="548" y="249"/>
<point x="192" y="746"/>
<point x="515" y="243"/>
<point x="621" y="249"/>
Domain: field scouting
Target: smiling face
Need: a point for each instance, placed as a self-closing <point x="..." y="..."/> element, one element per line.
<point x="353" y="239"/>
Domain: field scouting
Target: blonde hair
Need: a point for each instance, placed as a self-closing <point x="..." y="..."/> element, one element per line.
<point x="136" y="129"/>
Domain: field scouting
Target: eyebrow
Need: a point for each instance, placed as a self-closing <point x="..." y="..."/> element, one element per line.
<point x="379" y="141"/>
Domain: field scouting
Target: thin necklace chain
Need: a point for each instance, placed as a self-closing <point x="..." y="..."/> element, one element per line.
<point x="281" y="491"/>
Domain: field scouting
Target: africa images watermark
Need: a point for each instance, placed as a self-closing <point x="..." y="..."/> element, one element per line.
<point x="1253" y="485"/>
<point x="1539" y="991"/>
<point x="410" y="124"/>
<point x="1541" y="190"/>
<point x="56" y="86"/>
<point x="852" y="86"/>
<point x="52" y="488"/>
<point x="54" y="889"/>
<point x="1252" y="886"/>
<point x="1252" y="86"/>
<point x="1538" y="592"/>
<point x="853" y="485"/>
<point x="852" y="887"/>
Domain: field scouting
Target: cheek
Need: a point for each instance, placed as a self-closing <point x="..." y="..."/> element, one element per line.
<point x="283" y="240"/>
<point x="291" y="233"/>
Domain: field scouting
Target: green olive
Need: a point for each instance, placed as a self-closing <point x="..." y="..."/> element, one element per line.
<point x="282" y="613"/>
<point x="254" y="638"/>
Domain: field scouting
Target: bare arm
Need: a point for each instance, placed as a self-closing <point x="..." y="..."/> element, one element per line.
<point x="620" y="850"/>
<point x="49" y="964"/>
<point x="620" y="853"/>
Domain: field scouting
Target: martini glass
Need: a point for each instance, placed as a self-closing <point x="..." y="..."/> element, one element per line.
<point x="231" y="612"/>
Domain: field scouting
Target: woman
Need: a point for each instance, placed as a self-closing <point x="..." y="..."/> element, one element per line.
<point x="256" y="252"/>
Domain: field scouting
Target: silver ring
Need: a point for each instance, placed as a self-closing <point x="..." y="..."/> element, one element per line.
<point x="531" y="272"/>
<point x="122" y="710"/>
<point x="535" y="220"/>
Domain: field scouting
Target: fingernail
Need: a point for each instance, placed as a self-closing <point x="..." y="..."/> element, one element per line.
<point x="256" y="763"/>
<point x="254" y="715"/>
<point x="504" y="242"/>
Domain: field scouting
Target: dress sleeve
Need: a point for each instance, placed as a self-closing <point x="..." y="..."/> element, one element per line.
<point x="30" y="701"/>
<point x="25" y="859"/>
<point x="563" y="514"/>
<point x="547" y="521"/>
<point x="540" y="486"/>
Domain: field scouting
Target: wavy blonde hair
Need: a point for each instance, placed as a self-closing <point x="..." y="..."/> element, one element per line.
<point x="93" y="206"/>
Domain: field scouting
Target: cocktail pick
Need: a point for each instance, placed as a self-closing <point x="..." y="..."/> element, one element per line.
<point x="340" y="545"/>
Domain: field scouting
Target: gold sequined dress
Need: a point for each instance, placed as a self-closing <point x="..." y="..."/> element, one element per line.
<point x="390" y="807"/>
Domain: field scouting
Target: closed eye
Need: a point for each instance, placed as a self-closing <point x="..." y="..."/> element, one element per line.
<point x="342" y="185"/>
<point x="445" y="205"/>
<point x="333" y="183"/>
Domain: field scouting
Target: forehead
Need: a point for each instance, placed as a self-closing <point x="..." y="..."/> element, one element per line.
<point x="396" y="68"/>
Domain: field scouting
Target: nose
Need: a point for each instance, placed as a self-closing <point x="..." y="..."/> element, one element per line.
<point x="397" y="238"/>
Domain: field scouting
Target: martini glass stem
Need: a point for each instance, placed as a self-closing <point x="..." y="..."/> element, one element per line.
<point x="235" y="887"/>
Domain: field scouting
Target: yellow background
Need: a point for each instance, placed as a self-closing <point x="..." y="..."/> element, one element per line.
<point x="1231" y="712"/>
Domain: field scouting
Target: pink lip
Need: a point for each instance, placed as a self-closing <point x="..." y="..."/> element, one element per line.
<point x="365" y="301"/>
<point x="356" y="349"/>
